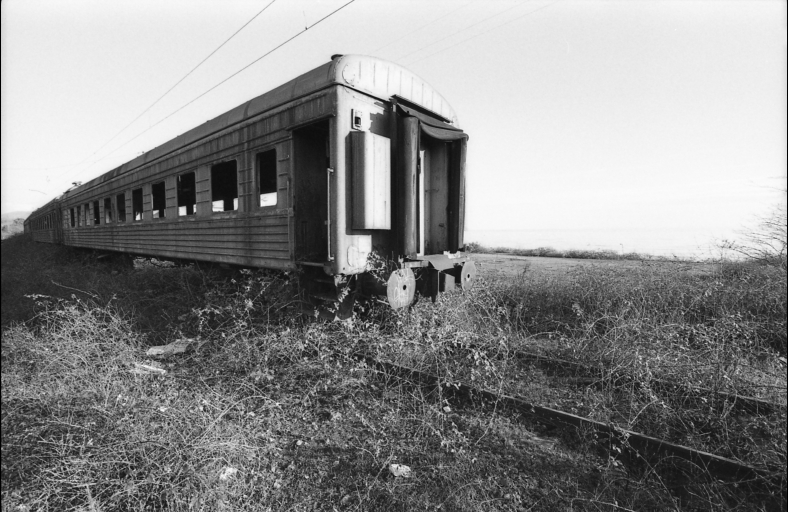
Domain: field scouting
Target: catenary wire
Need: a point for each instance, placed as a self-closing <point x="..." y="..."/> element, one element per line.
<point x="226" y="79"/>
<point x="486" y="31"/>
<point x="421" y="27"/>
<point x="463" y="30"/>
<point x="171" y="88"/>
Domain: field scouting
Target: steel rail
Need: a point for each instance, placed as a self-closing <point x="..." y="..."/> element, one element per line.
<point x="741" y="403"/>
<point x="638" y="445"/>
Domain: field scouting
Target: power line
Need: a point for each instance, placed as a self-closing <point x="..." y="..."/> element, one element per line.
<point x="464" y="29"/>
<point x="174" y="86"/>
<point x="59" y="166"/>
<point x="486" y="31"/>
<point x="421" y="27"/>
<point x="228" y="78"/>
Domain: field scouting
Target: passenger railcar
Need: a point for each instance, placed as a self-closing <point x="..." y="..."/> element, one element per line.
<point x="356" y="161"/>
<point x="45" y="224"/>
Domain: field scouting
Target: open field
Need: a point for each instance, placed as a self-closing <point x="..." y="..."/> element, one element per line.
<point x="269" y="410"/>
<point x="497" y="265"/>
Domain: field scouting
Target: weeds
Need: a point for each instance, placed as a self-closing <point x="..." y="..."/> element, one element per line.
<point x="273" y="411"/>
<point x="584" y="254"/>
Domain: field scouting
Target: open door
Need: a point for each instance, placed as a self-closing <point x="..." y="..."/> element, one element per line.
<point x="429" y="183"/>
<point x="311" y="156"/>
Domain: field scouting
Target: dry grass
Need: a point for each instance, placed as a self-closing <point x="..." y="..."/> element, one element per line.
<point x="583" y="254"/>
<point x="274" y="412"/>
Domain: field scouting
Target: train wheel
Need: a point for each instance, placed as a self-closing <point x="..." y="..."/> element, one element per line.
<point x="468" y="276"/>
<point x="401" y="288"/>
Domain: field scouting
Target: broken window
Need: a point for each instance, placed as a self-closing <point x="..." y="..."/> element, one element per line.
<point x="159" y="200"/>
<point x="136" y="204"/>
<point x="187" y="194"/>
<point x="72" y="219"/>
<point x="120" y="200"/>
<point x="96" y="213"/>
<point x="107" y="210"/>
<point x="266" y="177"/>
<point x="224" y="186"/>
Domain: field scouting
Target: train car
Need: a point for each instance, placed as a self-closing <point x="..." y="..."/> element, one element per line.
<point x="353" y="172"/>
<point x="46" y="224"/>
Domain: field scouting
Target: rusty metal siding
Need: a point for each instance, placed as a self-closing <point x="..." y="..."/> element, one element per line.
<point x="251" y="236"/>
<point x="171" y="198"/>
<point x="250" y="241"/>
<point x="45" y="223"/>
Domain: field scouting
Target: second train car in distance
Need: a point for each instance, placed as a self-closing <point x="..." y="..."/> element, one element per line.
<point x="353" y="172"/>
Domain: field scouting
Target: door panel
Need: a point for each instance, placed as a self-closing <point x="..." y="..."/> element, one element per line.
<point x="310" y="161"/>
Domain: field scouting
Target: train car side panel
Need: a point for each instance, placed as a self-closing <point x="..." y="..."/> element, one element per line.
<point x="250" y="234"/>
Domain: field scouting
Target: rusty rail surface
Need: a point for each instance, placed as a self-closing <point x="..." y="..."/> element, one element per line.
<point x="737" y="403"/>
<point x="636" y="444"/>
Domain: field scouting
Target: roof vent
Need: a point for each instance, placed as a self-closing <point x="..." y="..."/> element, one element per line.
<point x="336" y="56"/>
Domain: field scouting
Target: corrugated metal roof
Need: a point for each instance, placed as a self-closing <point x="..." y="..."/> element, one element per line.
<point x="371" y="75"/>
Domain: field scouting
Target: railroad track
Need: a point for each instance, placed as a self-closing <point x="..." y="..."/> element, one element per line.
<point x="635" y="445"/>
<point x="598" y="376"/>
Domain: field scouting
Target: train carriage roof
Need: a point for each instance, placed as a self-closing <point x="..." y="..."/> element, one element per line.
<point x="376" y="77"/>
<point x="50" y="205"/>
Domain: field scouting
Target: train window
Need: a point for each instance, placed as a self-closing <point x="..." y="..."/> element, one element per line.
<point x="86" y="213"/>
<point x="120" y="201"/>
<point x="224" y="186"/>
<point x="96" y="213"/>
<point x="107" y="210"/>
<point x="136" y="204"/>
<point x="187" y="194"/>
<point x="266" y="177"/>
<point x="159" y="199"/>
<point x="73" y="220"/>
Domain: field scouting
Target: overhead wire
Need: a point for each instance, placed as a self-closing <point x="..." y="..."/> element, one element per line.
<point x="226" y="79"/>
<point x="464" y="29"/>
<point x="261" y="11"/>
<point x="59" y="166"/>
<point x="421" y="27"/>
<point x="485" y="32"/>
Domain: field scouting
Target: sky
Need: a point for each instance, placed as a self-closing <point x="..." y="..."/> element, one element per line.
<point x="655" y="126"/>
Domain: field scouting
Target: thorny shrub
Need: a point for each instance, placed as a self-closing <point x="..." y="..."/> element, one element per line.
<point x="719" y="329"/>
<point x="240" y="305"/>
